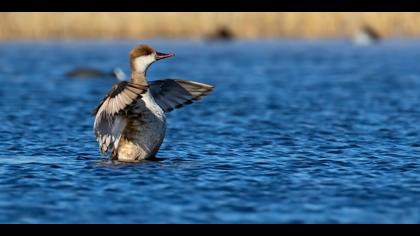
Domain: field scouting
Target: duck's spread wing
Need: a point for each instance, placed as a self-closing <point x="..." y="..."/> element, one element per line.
<point x="170" y="94"/>
<point x="109" y="121"/>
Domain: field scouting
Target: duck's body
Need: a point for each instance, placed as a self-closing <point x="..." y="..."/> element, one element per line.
<point x="95" y="73"/>
<point x="144" y="132"/>
<point x="131" y="121"/>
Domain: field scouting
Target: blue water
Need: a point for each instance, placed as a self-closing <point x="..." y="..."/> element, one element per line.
<point x="294" y="132"/>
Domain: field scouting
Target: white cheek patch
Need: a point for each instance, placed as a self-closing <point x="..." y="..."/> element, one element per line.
<point x="141" y="63"/>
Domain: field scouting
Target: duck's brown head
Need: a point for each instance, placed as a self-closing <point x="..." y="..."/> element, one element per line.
<point x="142" y="56"/>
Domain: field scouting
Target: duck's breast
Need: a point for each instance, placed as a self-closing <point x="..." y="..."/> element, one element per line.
<point x="144" y="132"/>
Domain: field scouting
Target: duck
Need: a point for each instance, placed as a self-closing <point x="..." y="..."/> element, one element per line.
<point x="221" y="34"/>
<point x="87" y="72"/>
<point x="130" y="121"/>
<point x="366" y="36"/>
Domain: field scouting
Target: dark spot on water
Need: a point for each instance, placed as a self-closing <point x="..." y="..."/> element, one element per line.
<point x="156" y="159"/>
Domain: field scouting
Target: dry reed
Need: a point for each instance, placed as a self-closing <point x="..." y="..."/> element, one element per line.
<point x="197" y="25"/>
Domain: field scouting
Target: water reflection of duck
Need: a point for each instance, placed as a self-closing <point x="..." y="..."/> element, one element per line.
<point x="366" y="36"/>
<point x="130" y="121"/>
<point x="92" y="73"/>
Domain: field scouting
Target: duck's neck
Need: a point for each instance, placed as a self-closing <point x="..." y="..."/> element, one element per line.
<point x="138" y="78"/>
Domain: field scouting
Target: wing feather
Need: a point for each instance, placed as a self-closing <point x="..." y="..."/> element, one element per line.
<point x="170" y="94"/>
<point x="110" y="120"/>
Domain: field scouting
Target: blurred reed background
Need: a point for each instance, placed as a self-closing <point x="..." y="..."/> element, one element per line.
<point x="198" y="25"/>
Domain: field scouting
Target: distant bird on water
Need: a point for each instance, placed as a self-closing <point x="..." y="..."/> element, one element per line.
<point x="130" y="120"/>
<point x="221" y="34"/>
<point x="366" y="36"/>
<point x="92" y="73"/>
